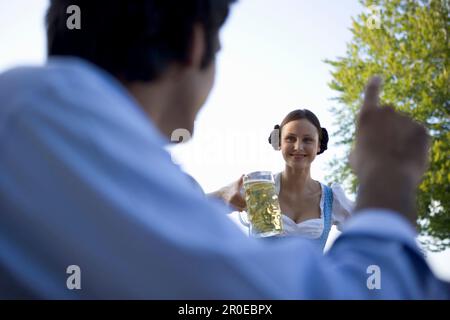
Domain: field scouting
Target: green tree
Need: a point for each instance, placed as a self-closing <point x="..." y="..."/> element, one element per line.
<point x="407" y="43"/>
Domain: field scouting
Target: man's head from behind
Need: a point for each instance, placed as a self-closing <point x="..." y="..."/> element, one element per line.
<point x="162" y="50"/>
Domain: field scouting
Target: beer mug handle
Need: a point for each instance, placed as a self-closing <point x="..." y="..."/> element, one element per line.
<point x="245" y="221"/>
<point x="241" y="214"/>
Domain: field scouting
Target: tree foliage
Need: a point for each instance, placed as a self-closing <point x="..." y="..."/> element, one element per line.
<point x="407" y="43"/>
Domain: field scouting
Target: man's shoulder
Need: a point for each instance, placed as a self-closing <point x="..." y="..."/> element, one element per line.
<point x="75" y="93"/>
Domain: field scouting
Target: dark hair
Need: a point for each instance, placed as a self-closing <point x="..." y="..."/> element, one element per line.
<point x="311" y="117"/>
<point x="135" y="40"/>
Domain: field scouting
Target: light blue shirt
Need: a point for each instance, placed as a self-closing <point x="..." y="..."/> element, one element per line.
<point x="85" y="181"/>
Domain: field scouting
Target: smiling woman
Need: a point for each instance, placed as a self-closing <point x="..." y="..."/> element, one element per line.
<point x="309" y="207"/>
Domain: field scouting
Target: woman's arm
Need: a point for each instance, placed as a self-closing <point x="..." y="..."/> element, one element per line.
<point x="342" y="206"/>
<point x="231" y="194"/>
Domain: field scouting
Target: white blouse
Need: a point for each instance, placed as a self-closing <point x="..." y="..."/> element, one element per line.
<point x="313" y="228"/>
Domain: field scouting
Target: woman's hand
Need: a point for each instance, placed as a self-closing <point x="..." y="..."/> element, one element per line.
<point x="231" y="194"/>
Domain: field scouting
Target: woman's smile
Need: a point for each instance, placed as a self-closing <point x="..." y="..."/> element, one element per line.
<point x="298" y="156"/>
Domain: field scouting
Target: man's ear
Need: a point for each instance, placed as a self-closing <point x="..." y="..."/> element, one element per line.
<point x="197" y="47"/>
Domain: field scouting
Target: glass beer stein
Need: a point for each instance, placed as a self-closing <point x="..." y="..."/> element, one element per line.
<point x="263" y="208"/>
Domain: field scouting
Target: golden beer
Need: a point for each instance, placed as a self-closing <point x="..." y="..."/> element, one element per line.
<point x="263" y="208"/>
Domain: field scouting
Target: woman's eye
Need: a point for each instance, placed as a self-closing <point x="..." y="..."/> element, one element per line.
<point x="290" y="139"/>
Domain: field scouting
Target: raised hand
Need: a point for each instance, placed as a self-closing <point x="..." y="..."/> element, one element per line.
<point x="390" y="155"/>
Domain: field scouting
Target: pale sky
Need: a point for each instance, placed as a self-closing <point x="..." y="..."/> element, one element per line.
<point x="271" y="63"/>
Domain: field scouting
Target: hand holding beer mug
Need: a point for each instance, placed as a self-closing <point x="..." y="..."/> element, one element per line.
<point x="263" y="208"/>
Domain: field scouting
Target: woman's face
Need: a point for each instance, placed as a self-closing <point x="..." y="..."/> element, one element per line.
<point x="299" y="143"/>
